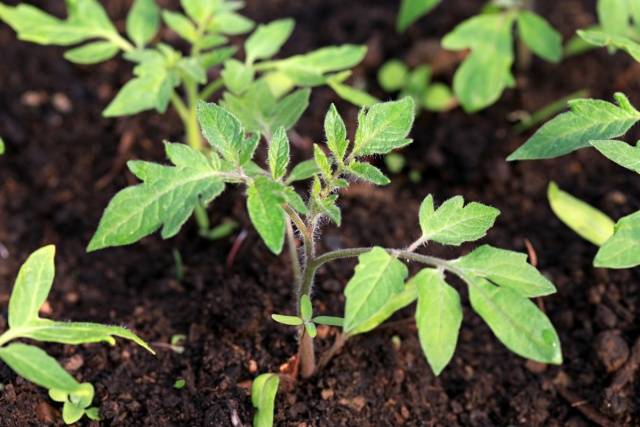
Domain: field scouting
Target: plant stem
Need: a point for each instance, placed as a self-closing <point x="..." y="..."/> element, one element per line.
<point x="293" y="255"/>
<point x="211" y="88"/>
<point x="194" y="136"/>
<point x="307" y="355"/>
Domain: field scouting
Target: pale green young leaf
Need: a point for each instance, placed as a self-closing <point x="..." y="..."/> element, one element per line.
<point x="210" y="41"/>
<point x="231" y="24"/>
<point x="217" y="56"/>
<point x="540" y="36"/>
<point x="453" y="223"/>
<point x="336" y="133"/>
<point x="322" y="161"/>
<point x="311" y="329"/>
<point x="330" y="209"/>
<point x="378" y="277"/>
<point x="621" y="250"/>
<point x="200" y="10"/>
<point x="93" y="414"/>
<point x="384" y="127"/>
<point x="602" y="39"/>
<point x="486" y="71"/>
<point x="412" y="10"/>
<point x="263" y="396"/>
<point x="33" y="25"/>
<point x="288" y="110"/>
<point x="306" y="309"/>
<point x="2" y="146"/>
<point x="222" y="129"/>
<point x="278" y="154"/>
<point x="38" y="367"/>
<point x="589" y="120"/>
<point x="393" y="75"/>
<point x="303" y="170"/>
<point x="367" y="172"/>
<point x="287" y="320"/>
<point x="166" y="199"/>
<point x="294" y="200"/>
<point x="143" y="22"/>
<point x="588" y="222"/>
<point x="193" y="69"/>
<point x="83" y="395"/>
<point x="181" y="25"/>
<point x="264" y="203"/>
<point x="438" y="318"/>
<point x="351" y="94"/>
<point x="91" y="15"/>
<point x="267" y="39"/>
<point x="32" y="287"/>
<point x="506" y="268"/>
<point x="92" y="53"/>
<point x="237" y="76"/>
<point x="438" y="97"/>
<point x="248" y="148"/>
<point x="71" y="413"/>
<point x="396" y="302"/>
<point x="620" y="152"/>
<point x="329" y="320"/>
<point x="516" y="321"/>
<point x="614" y="15"/>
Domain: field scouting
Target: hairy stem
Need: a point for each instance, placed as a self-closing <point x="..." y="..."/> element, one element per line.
<point x="293" y="255"/>
<point x="307" y="355"/>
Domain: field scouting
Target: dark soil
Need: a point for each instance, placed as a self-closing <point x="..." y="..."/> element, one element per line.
<point x="64" y="163"/>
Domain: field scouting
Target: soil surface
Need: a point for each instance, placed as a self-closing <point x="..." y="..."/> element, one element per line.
<point x="64" y="162"/>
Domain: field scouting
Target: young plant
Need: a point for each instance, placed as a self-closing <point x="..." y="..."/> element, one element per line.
<point x="259" y="86"/>
<point x="395" y="76"/>
<point x="486" y="71"/>
<point x="412" y="10"/>
<point x="500" y="282"/>
<point x="30" y="291"/>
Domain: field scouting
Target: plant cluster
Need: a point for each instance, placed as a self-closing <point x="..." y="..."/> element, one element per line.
<point x="30" y="291"/>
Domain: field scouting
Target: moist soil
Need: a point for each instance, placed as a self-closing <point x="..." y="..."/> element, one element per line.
<point x="64" y="163"/>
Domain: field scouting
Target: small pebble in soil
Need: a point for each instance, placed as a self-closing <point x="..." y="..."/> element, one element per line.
<point x="45" y="413"/>
<point x="357" y="403"/>
<point x="33" y="99"/>
<point x="535" y="367"/>
<point x="62" y="103"/>
<point x="327" y="394"/>
<point x="74" y="363"/>
<point x="612" y="350"/>
<point x="252" y="366"/>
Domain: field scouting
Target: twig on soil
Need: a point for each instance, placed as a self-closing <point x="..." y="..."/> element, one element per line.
<point x="341" y="339"/>
<point x="584" y="407"/>
<point x="237" y="244"/>
<point x="124" y="147"/>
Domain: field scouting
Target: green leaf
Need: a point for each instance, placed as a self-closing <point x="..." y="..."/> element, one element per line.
<point x="37" y="366"/>
<point x="306" y="309"/>
<point x="540" y="36"/>
<point x="237" y="76"/>
<point x="517" y="322"/>
<point x="143" y="22"/>
<point x="351" y="94"/>
<point x="267" y="39"/>
<point x="303" y="170"/>
<point x="614" y="15"/>
<point x="166" y="198"/>
<point x="83" y="395"/>
<point x="278" y="154"/>
<point x="263" y="396"/>
<point x="264" y="203"/>
<point x="223" y="131"/>
<point x="453" y="223"/>
<point x="322" y="161"/>
<point x="438" y="97"/>
<point x="329" y="208"/>
<point x="93" y="414"/>
<point x="92" y="53"/>
<point x="2" y="146"/>
<point x="367" y="172"/>
<point x="217" y="56"/>
<point x="621" y="250"/>
<point x="506" y="268"/>
<point x="589" y="120"/>
<point x="32" y="287"/>
<point x="231" y="24"/>
<point x="329" y="320"/>
<point x="181" y="25"/>
<point x="438" y="318"/>
<point x="200" y="10"/>
<point x="378" y="277"/>
<point x="71" y="413"/>
<point x="336" y="133"/>
<point x="311" y="329"/>
<point x="588" y="222"/>
<point x="486" y="71"/>
<point x="384" y="127"/>
<point x="396" y="302"/>
<point x="287" y="320"/>
<point x="46" y="330"/>
<point x="193" y="68"/>
<point x="620" y="152"/>
<point x="412" y="10"/>
<point x="393" y="75"/>
<point x="288" y="110"/>
<point x="602" y="39"/>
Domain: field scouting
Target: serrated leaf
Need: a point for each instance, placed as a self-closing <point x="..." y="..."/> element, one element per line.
<point x="336" y="133"/>
<point x="181" y="25"/>
<point x="287" y="320"/>
<point x="263" y="396"/>
<point x="294" y="200"/>
<point x="540" y="36"/>
<point x="589" y="120"/>
<point x="264" y="203"/>
<point x="438" y="318"/>
<point x="322" y="161"/>
<point x="516" y="321"/>
<point x="278" y="154"/>
<point x="166" y="198"/>
<point x="621" y="250"/>
<point x="37" y="366"/>
<point x="368" y="172"/>
<point x="506" y="268"/>
<point x="303" y="170"/>
<point x="143" y="21"/>
<point x="248" y="148"/>
<point x="412" y="10"/>
<point x="590" y="223"/>
<point x="92" y="53"/>
<point x="453" y="223"/>
<point x="237" y="76"/>
<point x="378" y="277"/>
<point x="222" y="129"/>
<point x="32" y="286"/>
<point x="384" y="127"/>
<point x="267" y="39"/>
<point x="600" y="38"/>
<point x="620" y="152"/>
<point x="329" y="208"/>
<point x="486" y="71"/>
